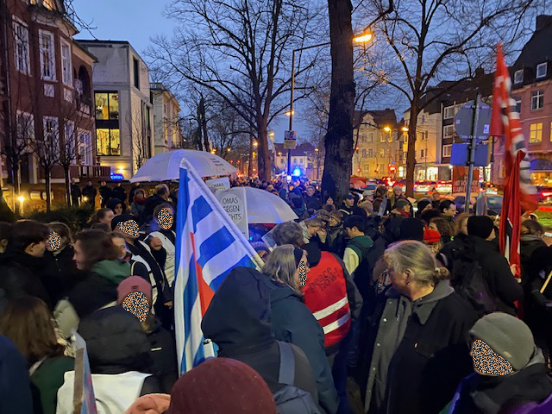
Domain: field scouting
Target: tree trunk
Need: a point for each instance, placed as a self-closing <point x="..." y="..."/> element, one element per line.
<point x="411" y="152"/>
<point x="204" y="124"/>
<point x="339" y="138"/>
<point x="263" y="158"/>
<point x="67" y="186"/>
<point x="251" y="148"/>
<point x="48" y="181"/>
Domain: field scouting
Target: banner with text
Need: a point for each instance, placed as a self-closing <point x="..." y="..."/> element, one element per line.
<point x="460" y="179"/>
<point x="234" y="202"/>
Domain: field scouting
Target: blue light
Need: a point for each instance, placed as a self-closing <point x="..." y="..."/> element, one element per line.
<point x="117" y="177"/>
<point x="297" y="172"/>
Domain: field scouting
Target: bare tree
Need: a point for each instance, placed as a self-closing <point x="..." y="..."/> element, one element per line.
<point x="426" y="41"/>
<point x="240" y="50"/>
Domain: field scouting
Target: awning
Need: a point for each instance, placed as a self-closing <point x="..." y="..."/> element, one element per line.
<point x="541" y="165"/>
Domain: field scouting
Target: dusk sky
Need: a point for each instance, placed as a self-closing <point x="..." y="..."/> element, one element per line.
<point x="137" y="22"/>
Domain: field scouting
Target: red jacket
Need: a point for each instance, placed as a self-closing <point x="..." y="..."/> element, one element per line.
<point x="325" y="294"/>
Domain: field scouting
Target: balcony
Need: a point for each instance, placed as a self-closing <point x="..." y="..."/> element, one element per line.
<point x="76" y="171"/>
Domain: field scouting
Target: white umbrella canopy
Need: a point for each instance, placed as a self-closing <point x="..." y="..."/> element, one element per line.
<point x="265" y="207"/>
<point x="166" y="166"/>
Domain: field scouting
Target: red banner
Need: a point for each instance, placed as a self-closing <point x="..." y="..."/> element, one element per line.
<point x="460" y="179"/>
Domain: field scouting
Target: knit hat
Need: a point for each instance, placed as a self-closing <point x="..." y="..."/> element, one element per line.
<point x="133" y="284"/>
<point x="221" y="385"/>
<point x="411" y="229"/>
<point x="480" y="226"/>
<point x="431" y="236"/>
<point x="313" y="253"/>
<point x="350" y="196"/>
<point x="121" y="218"/>
<point x="508" y="336"/>
<point x="401" y="203"/>
<point x="422" y="204"/>
<point x="150" y="404"/>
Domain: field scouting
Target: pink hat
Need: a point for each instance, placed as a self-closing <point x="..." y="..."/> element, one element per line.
<point x="133" y="284"/>
<point x="150" y="404"/>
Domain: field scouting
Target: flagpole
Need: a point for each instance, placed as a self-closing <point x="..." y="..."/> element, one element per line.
<point x="471" y="152"/>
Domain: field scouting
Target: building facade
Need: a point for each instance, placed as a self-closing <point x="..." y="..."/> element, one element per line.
<point x="378" y="146"/>
<point x="124" y="116"/>
<point x="166" y="119"/>
<point x="531" y="76"/>
<point x="46" y="96"/>
<point x="306" y="160"/>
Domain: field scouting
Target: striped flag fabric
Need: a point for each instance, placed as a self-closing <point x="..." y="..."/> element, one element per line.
<point x="505" y="122"/>
<point x="208" y="247"/>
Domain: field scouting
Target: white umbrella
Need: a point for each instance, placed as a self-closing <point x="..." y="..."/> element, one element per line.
<point x="166" y="166"/>
<point x="265" y="207"/>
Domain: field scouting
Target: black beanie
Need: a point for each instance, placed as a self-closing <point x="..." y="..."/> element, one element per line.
<point x="411" y="229"/>
<point x="121" y="218"/>
<point x="313" y="253"/>
<point x="298" y="253"/>
<point x="480" y="226"/>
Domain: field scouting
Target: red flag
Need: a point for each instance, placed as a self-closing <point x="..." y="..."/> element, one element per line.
<point x="510" y="219"/>
<point x="505" y="122"/>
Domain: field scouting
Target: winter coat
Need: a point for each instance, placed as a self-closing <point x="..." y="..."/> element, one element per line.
<point x="529" y="243"/>
<point x="115" y="342"/>
<point x="105" y="194"/>
<point x="22" y="275"/>
<point x="132" y="192"/>
<point x="46" y="380"/>
<point x="481" y="394"/>
<point x="120" y="193"/>
<point x="162" y="354"/>
<point x="313" y="202"/>
<point x="294" y="323"/>
<point x="63" y="270"/>
<point x="98" y="289"/>
<point x="168" y="238"/>
<point x="417" y="351"/>
<point x="151" y="203"/>
<point x="238" y="320"/>
<point x="89" y="192"/>
<point x="356" y="261"/>
<point x="502" y="284"/>
<point x="137" y="210"/>
<point x="113" y="202"/>
<point x="15" y="386"/>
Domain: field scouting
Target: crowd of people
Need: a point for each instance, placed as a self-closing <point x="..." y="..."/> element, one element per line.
<point x="382" y="305"/>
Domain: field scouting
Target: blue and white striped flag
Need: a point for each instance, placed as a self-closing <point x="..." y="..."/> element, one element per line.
<point x="208" y="247"/>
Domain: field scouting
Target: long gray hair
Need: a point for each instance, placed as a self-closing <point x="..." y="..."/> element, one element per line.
<point x="280" y="266"/>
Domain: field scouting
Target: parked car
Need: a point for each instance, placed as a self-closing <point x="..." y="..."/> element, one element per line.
<point x="494" y="203"/>
<point x="424" y="186"/>
<point x="370" y="187"/>
<point x="444" y="187"/>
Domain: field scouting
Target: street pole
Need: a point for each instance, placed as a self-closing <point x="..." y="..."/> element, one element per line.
<point x="471" y="152"/>
<point x="291" y="107"/>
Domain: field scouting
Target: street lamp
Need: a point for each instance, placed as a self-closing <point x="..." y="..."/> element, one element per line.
<point x="363" y="38"/>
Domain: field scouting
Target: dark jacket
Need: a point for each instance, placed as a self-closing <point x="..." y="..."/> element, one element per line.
<point x="47" y="380"/>
<point x="105" y="194"/>
<point x="480" y="394"/>
<point x="294" y="323"/>
<point x="99" y="288"/>
<point x="115" y="342"/>
<point x="238" y="321"/>
<point x="151" y="203"/>
<point x="502" y="284"/>
<point x="63" y="271"/>
<point x="163" y="354"/>
<point x="132" y="192"/>
<point x="430" y="359"/>
<point x="75" y="193"/>
<point x="15" y="385"/>
<point x="313" y="202"/>
<point x="529" y="243"/>
<point x="89" y="192"/>
<point x="120" y="193"/>
<point x="21" y="275"/>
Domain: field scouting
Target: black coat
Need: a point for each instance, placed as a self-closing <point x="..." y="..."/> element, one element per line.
<point x="294" y="323"/>
<point x="163" y="355"/>
<point x="313" y="202"/>
<point x="15" y="385"/>
<point x="63" y="271"/>
<point x="430" y="360"/>
<point x="120" y="193"/>
<point x="238" y="321"/>
<point x="502" y="284"/>
<point x="116" y="342"/>
<point x="22" y="275"/>
<point x="90" y="192"/>
<point x="105" y="193"/>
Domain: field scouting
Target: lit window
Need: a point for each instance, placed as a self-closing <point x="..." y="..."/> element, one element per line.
<point x="21" y="39"/>
<point x="541" y="70"/>
<point x="47" y="55"/>
<point x="518" y="76"/>
<point x="108" y="141"/>
<point x="107" y="105"/>
<point x="535" y="135"/>
<point x="537" y="100"/>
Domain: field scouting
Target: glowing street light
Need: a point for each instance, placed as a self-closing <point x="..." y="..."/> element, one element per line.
<point x="21" y="199"/>
<point x="404" y="129"/>
<point x="363" y="37"/>
<point x="387" y="129"/>
<point x="255" y="144"/>
<point x="289" y="113"/>
<point x="228" y="149"/>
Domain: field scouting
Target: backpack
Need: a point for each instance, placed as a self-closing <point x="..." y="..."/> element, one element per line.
<point x="290" y="399"/>
<point x="469" y="280"/>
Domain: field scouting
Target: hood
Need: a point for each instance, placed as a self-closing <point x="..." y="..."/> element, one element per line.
<point x="481" y="246"/>
<point x="112" y="203"/>
<point x="114" y="271"/>
<point x="490" y="394"/>
<point x="238" y="317"/>
<point x="364" y="242"/>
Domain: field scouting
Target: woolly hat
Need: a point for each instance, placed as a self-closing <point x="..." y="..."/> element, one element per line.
<point x="133" y="284"/>
<point x="401" y="203"/>
<point x="431" y="236"/>
<point x="480" y="226"/>
<point x="150" y="404"/>
<point x="221" y="385"/>
<point x="411" y="229"/>
<point x="422" y="204"/>
<point x="508" y="336"/>
<point x="121" y="218"/>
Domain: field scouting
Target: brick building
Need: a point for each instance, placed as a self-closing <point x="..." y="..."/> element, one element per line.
<point x="46" y="107"/>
